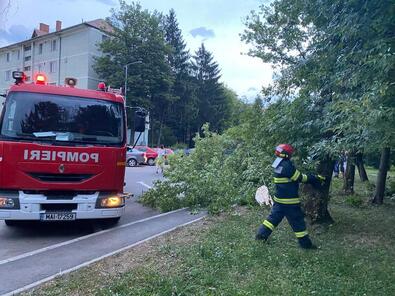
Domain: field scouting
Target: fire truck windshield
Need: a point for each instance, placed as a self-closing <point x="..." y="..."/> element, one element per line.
<point x="48" y="117"/>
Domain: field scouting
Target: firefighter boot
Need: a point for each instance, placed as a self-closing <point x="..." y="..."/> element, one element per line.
<point x="262" y="233"/>
<point x="305" y="243"/>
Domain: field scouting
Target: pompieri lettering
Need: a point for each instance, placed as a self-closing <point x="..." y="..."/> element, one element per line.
<point x="65" y="156"/>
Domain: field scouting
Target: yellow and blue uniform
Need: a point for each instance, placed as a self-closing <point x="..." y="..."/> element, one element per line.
<point x="287" y="201"/>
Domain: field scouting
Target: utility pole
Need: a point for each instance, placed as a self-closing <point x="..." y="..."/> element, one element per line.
<point x="126" y="76"/>
<point x="126" y="87"/>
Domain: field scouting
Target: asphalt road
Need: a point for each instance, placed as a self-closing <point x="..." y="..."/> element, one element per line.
<point x="38" y="252"/>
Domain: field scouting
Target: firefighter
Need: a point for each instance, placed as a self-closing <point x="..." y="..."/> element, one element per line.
<point x="286" y="199"/>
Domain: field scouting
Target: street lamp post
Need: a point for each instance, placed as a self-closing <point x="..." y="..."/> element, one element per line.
<point x="126" y="76"/>
<point x="126" y="87"/>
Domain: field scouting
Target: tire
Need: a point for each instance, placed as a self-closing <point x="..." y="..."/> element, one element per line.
<point x="11" y="222"/>
<point x="110" y="222"/>
<point x="151" y="161"/>
<point x="132" y="162"/>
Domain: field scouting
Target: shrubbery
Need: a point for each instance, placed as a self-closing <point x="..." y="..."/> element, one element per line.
<point x="224" y="169"/>
<point x="221" y="172"/>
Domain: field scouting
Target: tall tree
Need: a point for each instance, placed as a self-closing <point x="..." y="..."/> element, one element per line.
<point x="283" y="33"/>
<point x="184" y="111"/>
<point x="179" y="55"/>
<point x="138" y="36"/>
<point x="363" y="39"/>
<point x="214" y="105"/>
<point x="328" y="66"/>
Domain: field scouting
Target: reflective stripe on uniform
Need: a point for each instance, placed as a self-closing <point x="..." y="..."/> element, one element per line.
<point x="268" y="224"/>
<point x="281" y="180"/>
<point x="295" y="176"/>
<point x="301" y="234"/>
<point x="304" y="178"/>
<point x="287" y="201"/>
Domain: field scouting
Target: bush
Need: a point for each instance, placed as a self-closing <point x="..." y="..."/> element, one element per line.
<point x="354" y="200"/>
<point x="221" y="172"/>
<point x="391" y="186"/>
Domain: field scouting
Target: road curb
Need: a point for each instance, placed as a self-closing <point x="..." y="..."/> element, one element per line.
<point x="63" y="272"/>
<point x="68" y="242"/>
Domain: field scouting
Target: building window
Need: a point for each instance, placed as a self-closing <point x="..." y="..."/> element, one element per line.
<point x="27" y="48"/>
<point x="53" y="45"/>
<point x="40" y="67"/>
<point x="18" y="54"/>
<point x="28" y="58"/>
<point x="7" y="76"/>
<point x="27" y="68"/>
<point x="40" y="48"/>
<point x="52" y="67"/>
<point x="7" y="56"/>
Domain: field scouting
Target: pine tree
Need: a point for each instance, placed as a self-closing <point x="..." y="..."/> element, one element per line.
<point x="183" y="112"/>
<point x="179" y="55"/>
<point x="214" y="104"/>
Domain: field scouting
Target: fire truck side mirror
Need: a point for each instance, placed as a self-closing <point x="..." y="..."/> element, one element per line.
<point x="139" y="121"/>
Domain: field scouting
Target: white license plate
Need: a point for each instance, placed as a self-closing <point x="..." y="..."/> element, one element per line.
<point x="58" y="216"/>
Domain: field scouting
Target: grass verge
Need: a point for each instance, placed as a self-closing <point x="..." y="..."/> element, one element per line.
<point x="218" y="256"/>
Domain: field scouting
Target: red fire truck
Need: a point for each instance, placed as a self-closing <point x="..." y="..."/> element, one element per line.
<point x="62" y="153"/>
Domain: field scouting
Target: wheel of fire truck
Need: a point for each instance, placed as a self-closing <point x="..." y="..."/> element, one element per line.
<point x="151" y="161"/>
<point x="132" y="162"/>
<point x="110" y="222"/>
<point x="11" y="222"/>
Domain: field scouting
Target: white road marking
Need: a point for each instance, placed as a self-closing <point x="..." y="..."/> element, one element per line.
<point x="65" y="243"/>
<point x="32" y="285"/>
<point x="145" y="185"/>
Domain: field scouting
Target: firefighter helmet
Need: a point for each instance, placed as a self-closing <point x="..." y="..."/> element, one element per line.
<point x="284" y="150"/>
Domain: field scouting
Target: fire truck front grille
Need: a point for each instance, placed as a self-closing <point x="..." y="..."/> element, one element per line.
<point x="58" y="207"/>
<point x="73" y="178"/>
<point x="55" y="195"/>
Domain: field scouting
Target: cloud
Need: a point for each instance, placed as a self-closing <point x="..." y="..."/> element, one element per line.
<point x="203" y="32"/>
<point x="105" y="2"/>
<point x="15" y="33"/>
<point x="108" y="2"/>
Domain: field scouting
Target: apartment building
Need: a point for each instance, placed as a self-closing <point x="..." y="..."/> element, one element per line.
<point x="62" y="53"/>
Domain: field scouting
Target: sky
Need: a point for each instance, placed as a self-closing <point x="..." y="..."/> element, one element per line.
<point x="217" y="23"/>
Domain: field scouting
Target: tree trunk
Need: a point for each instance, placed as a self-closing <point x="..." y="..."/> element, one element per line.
<point x="361" y="168"/>
<point x="187" y="136"/>
<point x="316" y="205"/>
<point x="382" y="176"/>
<point x="349" y="179"/>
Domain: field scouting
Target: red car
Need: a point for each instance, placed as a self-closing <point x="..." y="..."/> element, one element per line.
<point x="150" y="154"/>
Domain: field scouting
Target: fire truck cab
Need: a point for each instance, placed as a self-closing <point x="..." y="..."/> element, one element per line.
<point x="62" y="153"/>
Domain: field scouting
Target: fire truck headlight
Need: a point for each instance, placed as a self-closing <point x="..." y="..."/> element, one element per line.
<point x="114" y="201"/>
<point x="8" y="203"/>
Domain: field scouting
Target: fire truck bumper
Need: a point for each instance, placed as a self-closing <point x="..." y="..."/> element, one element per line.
<point x="94" y="214"/>
<point x="41" y="207"/>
